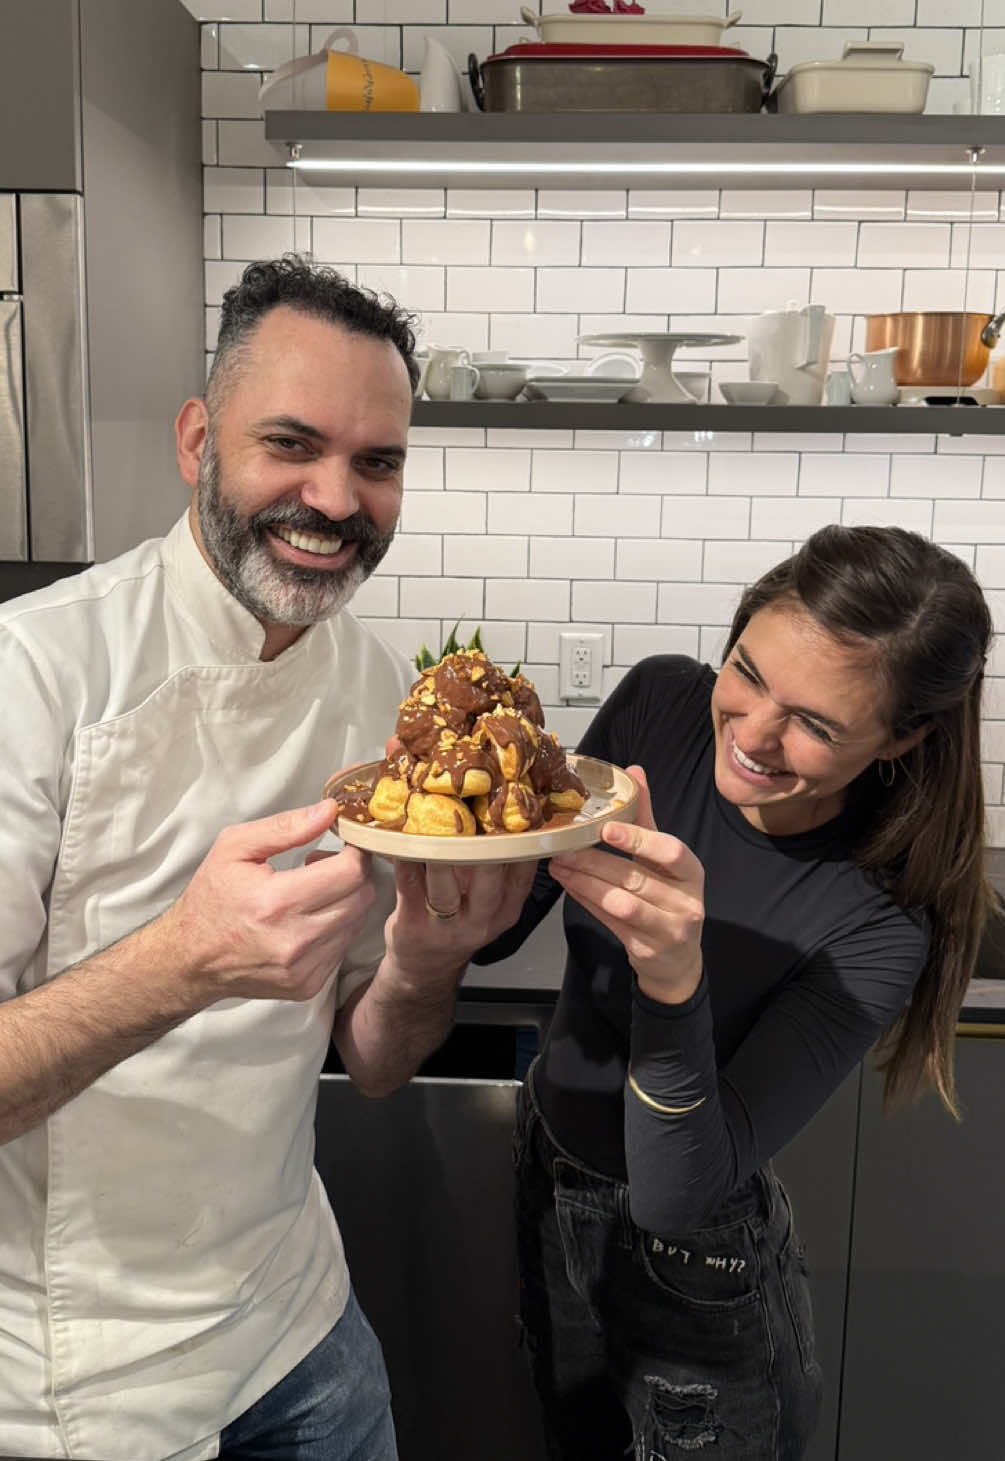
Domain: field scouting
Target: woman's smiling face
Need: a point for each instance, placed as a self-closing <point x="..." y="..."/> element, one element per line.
<point x="797" y="716"/>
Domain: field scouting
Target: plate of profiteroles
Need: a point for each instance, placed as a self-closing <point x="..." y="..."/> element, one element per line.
<point x="475" y="777"/>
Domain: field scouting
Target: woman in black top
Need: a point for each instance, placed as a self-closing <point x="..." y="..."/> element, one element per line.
<point x="816" y="881"/>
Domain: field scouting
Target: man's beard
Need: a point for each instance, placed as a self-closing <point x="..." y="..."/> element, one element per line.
<point x="277" y="592"/>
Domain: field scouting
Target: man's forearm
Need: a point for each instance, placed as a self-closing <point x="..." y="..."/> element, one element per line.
<point x="385" y="1032"/>
<point x="58" y="1039"/>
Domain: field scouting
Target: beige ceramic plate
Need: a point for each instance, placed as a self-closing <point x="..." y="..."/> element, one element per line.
<point x="611" y="796"/>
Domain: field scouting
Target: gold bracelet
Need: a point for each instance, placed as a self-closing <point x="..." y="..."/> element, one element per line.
<point x="656" y="1106"/>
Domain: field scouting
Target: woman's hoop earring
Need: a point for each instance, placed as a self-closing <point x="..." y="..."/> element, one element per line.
<point x="887" y="770"/>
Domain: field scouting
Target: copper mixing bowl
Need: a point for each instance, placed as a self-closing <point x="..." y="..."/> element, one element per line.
<point x="936" y="348"/>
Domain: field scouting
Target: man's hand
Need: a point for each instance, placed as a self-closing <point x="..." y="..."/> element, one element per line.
<point x="241" y="929"/>
<point x="444" y="913"/>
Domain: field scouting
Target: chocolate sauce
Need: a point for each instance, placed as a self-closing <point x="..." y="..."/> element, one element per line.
<point x="464" y="714"/>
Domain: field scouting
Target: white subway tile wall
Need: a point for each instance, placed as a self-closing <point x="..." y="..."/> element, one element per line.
<point x="646" y="536"/>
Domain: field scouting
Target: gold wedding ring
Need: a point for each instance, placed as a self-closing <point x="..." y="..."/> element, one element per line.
<point x="436" y="912"/>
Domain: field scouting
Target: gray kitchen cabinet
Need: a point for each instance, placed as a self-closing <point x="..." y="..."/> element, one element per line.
<point x="422" y="1187"/>
<point x="421" y="1183"/>
<point x="925" y="1346"/>
<point x="817" y="1169"/>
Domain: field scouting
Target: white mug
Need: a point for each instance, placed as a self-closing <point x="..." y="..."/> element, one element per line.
<point x="837" y="391"/>
<point x="463" y="381"/>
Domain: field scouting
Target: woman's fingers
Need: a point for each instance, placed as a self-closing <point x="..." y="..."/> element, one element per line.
<point x="616" y="905"/>
<point x="624" y="891"/>
<point x="644" y="809"/>
<point x="666" y="856"/>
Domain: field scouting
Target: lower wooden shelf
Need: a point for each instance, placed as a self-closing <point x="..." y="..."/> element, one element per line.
<point x="627" y="416"/>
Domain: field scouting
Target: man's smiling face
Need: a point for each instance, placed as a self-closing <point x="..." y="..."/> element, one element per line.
<point x="300" y="477"/>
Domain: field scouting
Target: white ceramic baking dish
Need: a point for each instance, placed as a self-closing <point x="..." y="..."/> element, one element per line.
<point x="871" y="76"/>
<point x="631" y="30"/>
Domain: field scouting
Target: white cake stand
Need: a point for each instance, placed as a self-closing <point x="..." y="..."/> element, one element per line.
<point x="657" y="382"/>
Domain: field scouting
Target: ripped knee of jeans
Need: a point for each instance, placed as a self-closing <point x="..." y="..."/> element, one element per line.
<point x="678" y="1417"/>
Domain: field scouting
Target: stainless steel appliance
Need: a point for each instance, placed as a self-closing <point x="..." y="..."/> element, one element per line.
<point x="101" y="277"/>
<point x="44" y="411"/>
<point x="422" y="1186"/>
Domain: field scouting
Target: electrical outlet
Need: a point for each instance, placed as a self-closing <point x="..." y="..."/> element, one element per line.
<point x="580" y="665"/>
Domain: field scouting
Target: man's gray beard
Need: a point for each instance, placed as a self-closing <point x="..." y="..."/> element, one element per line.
<point x="277" y="592"/>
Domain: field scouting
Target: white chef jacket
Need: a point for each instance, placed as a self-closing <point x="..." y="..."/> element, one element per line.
<point x="167" y="1252"/>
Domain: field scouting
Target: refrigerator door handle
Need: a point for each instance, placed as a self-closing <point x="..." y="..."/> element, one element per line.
<point x="56" y="378"/>
<point x="13" y="478"/>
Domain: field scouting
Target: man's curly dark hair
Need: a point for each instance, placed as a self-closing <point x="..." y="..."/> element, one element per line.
<point x="314" y="289"/>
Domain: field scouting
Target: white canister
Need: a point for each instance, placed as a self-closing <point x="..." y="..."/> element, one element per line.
<point x="792" y="347"/>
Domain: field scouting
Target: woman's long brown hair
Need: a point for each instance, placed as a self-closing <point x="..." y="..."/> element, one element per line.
<point x="920" y="614"/>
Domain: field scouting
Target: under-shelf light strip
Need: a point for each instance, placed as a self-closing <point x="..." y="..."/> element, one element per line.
<point x="461" y="167"/>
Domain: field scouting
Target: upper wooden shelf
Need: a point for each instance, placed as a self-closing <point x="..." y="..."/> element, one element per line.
<point x="642" y="149"/>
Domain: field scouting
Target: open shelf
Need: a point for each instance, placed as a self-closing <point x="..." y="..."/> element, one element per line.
<point x="641" y="150"/>
<point x="627" y="416"/>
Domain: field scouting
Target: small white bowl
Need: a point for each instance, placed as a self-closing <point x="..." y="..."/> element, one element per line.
<point x="752" y="393"/>
<point x="695" y="382"/>
<point x="501" y="380"/>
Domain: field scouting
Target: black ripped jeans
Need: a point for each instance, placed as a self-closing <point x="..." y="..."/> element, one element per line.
<point x="652" y="1346"/>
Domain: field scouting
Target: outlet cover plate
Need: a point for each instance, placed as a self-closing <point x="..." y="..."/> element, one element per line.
<point x="580" y="665"/>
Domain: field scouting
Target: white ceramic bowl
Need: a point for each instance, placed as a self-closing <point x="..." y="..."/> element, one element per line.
<point x="632" y="30"/>
<point x="695" y="382"/>
<point x="500" y="380"/>
<point x="752" y="393"/>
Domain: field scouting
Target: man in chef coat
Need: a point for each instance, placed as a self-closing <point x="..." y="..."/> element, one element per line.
<point x="175" y="954"/>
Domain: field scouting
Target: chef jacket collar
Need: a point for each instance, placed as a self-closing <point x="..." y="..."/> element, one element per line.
<point x="233" y="630"/>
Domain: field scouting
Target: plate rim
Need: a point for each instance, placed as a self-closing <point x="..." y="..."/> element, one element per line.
<point x="439" y="849"/>
<point x="583" y="380"/>
<point x="682" y="337"/>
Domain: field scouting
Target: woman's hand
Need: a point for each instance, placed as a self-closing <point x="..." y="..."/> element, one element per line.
<point x="651" y="899"/>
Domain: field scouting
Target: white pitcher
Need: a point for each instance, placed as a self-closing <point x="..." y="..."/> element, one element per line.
<point x="792" y="347"/>
<point x="442" y="358"/>
<point x="439" y="80"/>
<point x="873" y="381"/>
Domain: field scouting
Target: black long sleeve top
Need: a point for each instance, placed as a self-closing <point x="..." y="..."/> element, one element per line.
<point x="807" y="960"/>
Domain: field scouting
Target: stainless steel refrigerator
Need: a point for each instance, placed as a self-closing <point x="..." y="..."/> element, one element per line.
<point x="101" y="277"/>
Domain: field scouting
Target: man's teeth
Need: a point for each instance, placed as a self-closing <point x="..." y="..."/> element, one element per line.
<point x="308" y="542"/>
<point x="753" y="765"/>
